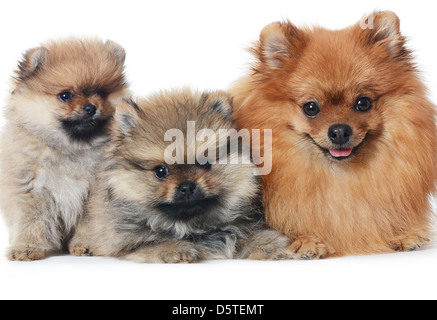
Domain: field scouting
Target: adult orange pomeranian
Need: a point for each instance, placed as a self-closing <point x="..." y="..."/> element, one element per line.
<point x="354" y="137"/>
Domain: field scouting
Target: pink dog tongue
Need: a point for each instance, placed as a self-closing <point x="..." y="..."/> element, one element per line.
<point x="340" y="153"/>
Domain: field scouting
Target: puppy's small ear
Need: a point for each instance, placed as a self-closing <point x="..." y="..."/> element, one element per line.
<point x="278" y="43"/>
<point x="383" y="28"/>
<point x="220" y="102"/>
<point x="117" y="50"/>
<point x="126" y="116"/>
<point x="32" y="60"/>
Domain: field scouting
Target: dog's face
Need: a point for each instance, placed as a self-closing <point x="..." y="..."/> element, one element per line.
<point x="71" y="85"/>
<point x="336" y="106"/>
<point x="334" y="86"/>
<point x="186" y="192"/>
<point x="179" y="197"/>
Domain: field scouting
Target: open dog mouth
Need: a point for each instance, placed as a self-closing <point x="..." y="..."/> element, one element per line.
<point x="338" y="154"/>
<point x="341" y="153"/>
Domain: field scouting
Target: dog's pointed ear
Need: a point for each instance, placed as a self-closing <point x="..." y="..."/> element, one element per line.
<point x="32" y="60"/>
<point x="219" y="101"/>
<point x="119" y="53"/>
<point x="279" y="42"/>
<point x="383" y="29"/>
<point x="127" y="115"/>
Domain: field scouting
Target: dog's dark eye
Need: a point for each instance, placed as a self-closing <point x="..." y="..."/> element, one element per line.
<point x="363" y="104"/>
<point x="102" y="94"/>
<point x="207" y="166"/>
<point x="162" y="172"/>
<point x="66" y="96"/>
<point x="311" y="109"/>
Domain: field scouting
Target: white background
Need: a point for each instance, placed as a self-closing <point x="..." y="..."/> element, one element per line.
<point x="202" y="44"/>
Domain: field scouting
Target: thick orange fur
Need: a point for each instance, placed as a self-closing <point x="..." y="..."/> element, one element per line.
<point x="378" y="200"/>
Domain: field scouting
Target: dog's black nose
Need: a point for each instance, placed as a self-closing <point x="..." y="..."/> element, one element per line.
<point x="90" y="109"/>
<point x="188" y="192"/>
<point x="340" y="133"/>
<point x="187" y="189"/>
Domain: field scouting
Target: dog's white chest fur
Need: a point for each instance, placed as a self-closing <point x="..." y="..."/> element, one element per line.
<point x="46" y="179"/>
<point x="65" y="180"/>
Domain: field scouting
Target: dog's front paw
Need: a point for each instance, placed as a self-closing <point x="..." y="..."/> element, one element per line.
<point x="271" y="253"/>
<point x="167" y="252"/>
<point x="267" y="245"/>
<point x="410" y="242"/>
<point x="80" y="250"/>
<point x="27" y="254"/>
<point x="309" y="248"/>
<point x="182" y="255"/>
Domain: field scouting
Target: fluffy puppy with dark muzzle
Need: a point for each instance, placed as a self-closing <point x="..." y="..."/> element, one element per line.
<point x="146" y="209"/>
<point x="62" y="101"/>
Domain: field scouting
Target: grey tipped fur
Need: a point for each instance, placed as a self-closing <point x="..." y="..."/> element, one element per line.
<point x="123" y="217"/>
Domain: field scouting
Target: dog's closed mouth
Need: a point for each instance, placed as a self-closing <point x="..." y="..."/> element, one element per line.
<point x="185" y="211"/>
<point x="84" y="130"/>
